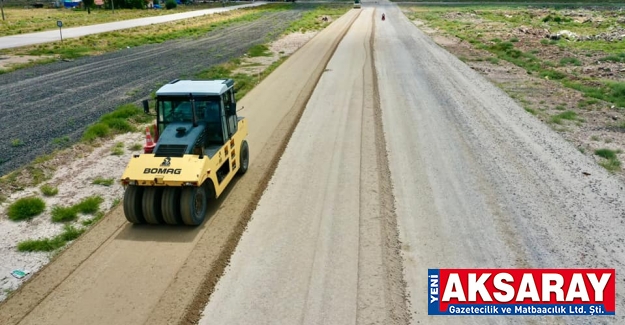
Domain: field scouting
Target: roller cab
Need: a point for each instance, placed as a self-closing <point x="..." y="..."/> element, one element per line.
<point x="200" y="146"/>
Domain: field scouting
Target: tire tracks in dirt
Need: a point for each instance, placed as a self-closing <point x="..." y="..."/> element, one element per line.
<point x="396" y="295"/>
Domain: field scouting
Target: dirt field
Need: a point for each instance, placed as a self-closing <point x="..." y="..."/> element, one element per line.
<point x="565" y="66"/>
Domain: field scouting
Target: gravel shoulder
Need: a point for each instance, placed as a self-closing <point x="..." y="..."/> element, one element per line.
<point x="478" y="182"/>
<point x="57" y="100"/>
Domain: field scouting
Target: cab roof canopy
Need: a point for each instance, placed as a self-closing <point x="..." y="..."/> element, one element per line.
<point x="195" y="87"/>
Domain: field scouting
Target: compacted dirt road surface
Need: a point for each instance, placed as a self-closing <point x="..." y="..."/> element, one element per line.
<point x="399" y="143"/>
<point x="479" y="182"/>
<point x="319" y="249"/>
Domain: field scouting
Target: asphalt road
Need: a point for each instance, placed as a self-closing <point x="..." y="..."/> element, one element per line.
<point x="45" y="103"/>
<point x="7" y="42"/>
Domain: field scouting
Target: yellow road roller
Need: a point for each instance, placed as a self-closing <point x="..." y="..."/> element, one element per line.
<point x="198" y="149"/>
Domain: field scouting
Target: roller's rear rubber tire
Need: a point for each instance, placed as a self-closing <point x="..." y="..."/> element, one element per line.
<point x="152" y="205"/>
<point x="244" y="158"/>
<point x="170" y="205"/>
<point x="132" y="204"/>
<point x="193" y="205"/>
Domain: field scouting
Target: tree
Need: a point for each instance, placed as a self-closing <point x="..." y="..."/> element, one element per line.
<point x="2" y="8"/>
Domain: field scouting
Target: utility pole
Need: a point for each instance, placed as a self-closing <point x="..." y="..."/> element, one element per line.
<point x="2" y="8"/>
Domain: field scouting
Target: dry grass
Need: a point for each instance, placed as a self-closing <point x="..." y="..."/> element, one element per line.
<point x="20" y="21"/>
<point x="111" y="41"/>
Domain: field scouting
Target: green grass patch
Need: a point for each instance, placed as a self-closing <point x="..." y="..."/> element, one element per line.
<point x="552" y="74"/>
<point x="556" y="19"/>
<point x="61" y="142"/>
<point x="103" y="181"/>
<point x="89" y="205"/>
<point x="96" y="131"/>
<point x="99" y="215"/>
<point x="26" y="208"/>
<point x="609" y="91"/>
<point x="606" y="153"/>
<point x="259" y="50"/>
<point x="48" y="190"/>
<point x="243" y="82"/>
<point x="568" y="115"/>
<point x="531" y="111"/>
<point x="612" y="165"/>
<point x="571" y="61"/>
<point x="119" y="121"/>
<point x="620" y="58"/>
<point x="118" y="149"/>
<point x="64" y="214"/>
<point x="50" y="244"/>
<point x="311" y="20"/>
<point x="610" y="160"/>
<point x="17" y="143"/>
<point x="587" y="102"/>
<point x="135" y="147"/>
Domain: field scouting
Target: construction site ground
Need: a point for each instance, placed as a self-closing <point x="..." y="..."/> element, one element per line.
<point x="375" y="155"/>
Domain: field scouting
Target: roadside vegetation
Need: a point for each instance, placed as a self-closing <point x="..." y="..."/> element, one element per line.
<point x="610" y="159"/>
<point x="48" y="190"/>
<point x="244" y="82"/>
<point x="124" y="119"/>
<point x="103" y="181"/>
<point x="89" y="205"/>
<point x="51" y="244"/>
<point x="565" y="64"/>
<point x="117" y="40"/>
<point x="311" y="19"/>
<point x="26" y="208"/>
<point x="22" y="21"/>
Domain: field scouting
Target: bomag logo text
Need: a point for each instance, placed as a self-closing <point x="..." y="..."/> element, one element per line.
<point x="176" y="171"/>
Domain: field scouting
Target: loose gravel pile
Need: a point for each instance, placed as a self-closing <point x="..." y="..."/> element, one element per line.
<point x="43" y="103"/>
